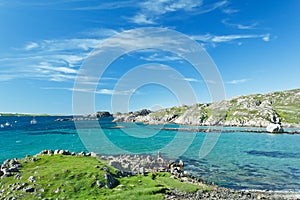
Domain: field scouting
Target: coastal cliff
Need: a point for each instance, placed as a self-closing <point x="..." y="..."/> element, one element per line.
<point x="257" y="110"/>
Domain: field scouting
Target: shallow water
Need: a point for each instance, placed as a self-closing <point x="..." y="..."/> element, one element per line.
<point x="238" y="160"/>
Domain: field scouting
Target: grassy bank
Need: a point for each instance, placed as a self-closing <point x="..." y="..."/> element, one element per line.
<point x="78" y="177"/>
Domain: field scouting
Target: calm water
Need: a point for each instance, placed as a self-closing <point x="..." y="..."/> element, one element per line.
<point x="238" y="160"/>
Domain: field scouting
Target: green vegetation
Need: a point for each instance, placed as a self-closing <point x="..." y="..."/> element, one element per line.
<point x="289" y="113"/>
<point x="75" y="177"/>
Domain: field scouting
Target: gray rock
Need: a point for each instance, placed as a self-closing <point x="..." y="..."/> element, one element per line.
<point x="88" y="154"/>
<point x="142" y="170"/>
<point x="13" y="169"/>
<point x="111" y="182"/>
<point x="106" y="169"/>
<point x="100" y="184"/>
<point x="56" y="151"/>
<point x="18" y="176"/>
<point x="32" y="179"/>
<point x="93" y="154"/>
<point x="29" y="189"/>
<point x="57" y="190"/>
<point x="64" y="152"/>
<point x="274" y="128"/>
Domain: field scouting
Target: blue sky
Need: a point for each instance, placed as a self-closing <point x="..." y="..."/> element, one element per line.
<point x="255" y="45"/>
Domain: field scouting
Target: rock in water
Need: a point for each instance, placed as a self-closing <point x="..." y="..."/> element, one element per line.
<point x="274" y="128"/>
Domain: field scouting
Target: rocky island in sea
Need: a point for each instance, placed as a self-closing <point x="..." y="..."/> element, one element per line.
<point x="274" y="111"/>
<point x="282" y="109"/>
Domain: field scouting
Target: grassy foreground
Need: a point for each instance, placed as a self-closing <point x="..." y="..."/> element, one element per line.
<point x="75" y="177"/>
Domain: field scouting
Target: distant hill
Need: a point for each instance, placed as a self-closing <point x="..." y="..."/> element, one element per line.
<point x="257" y="110"/>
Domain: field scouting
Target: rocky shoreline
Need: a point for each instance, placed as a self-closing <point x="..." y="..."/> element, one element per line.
<point x="131" y="165"/>
<point x="226" y="131"/>
<point x="257" y="110"/>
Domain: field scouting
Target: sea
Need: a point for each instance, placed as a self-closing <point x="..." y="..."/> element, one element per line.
<point x="238" y="160"/>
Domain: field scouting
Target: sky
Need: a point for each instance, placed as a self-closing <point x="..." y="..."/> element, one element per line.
<point x="254" y="44"/>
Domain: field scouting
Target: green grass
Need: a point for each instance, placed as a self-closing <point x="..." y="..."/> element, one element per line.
<point x="76" y="177"/>
<point x="289" y="113"/>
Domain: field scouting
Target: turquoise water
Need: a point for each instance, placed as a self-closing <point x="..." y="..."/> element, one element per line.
<point x="238" y="160"/>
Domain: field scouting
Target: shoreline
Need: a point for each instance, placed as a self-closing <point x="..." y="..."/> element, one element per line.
<point x="142" y="164"/>
<point x="227" y="131"/>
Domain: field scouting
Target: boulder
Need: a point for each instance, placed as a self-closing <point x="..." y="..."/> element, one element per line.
<point x="274" y="128"/>
<point x="100" y="184"/>
<point x="28" y="189"/>
<point x="31" y="179"/>
<point x="111" y="181"/>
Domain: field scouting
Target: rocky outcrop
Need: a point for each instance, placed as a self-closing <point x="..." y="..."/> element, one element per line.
<point x="274" y="128"/>
<point x="131" y="116"/>
<point x="95" y="116"/>
<point x="247" y="111"/>
<point x="10" y="167"/>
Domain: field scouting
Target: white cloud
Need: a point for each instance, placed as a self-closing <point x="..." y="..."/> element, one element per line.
<point x="115" y="92"/>
<point x="100" y="32"/>
<point x="101" y="91"/>
<point x="151" y="10"/>
<point x="110" y="5"/>
<point x="230" y="10"/>
<point x="266" y="38"/>
<point x="70" y="44"/>
<point x="44" y="66"/>
<point x="61" y="77"/>
<point x="68" y="89"/>
<point x="238" y="81"/>
<point x="191" y="80"/>
<point x="160" y="57"/>
<point x="240" y="26"/>
<point x="55" y="60"/>
<point x="228" y="38"/>
<point x="159" y="7"/>
<point x="31" y="46"/>
<point x="141" y="19"/>
<point x="157" y="67"/>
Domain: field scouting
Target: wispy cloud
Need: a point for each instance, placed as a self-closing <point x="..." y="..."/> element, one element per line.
<point x="109" y="5"/>
<point x="230" y="10"/>
<point x="152" y="10"/>
<point x="228" y="38"/>
<point x="59" y="60"/>
<point x="240" y="26"/>
<point x="31" y="46"/>
<point x="115" y="92"/>
<point x="141" y="19"/>
<point x="47" y="67"/>
<point x="52" y="60"/>
<point x="191" y="80"/>
<point x="100" y="33"/>
<point x="157" y="67"/>
<point x="237" y="81"/>
<point x="160" y="57"/>
<point x="100" y="91"/>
